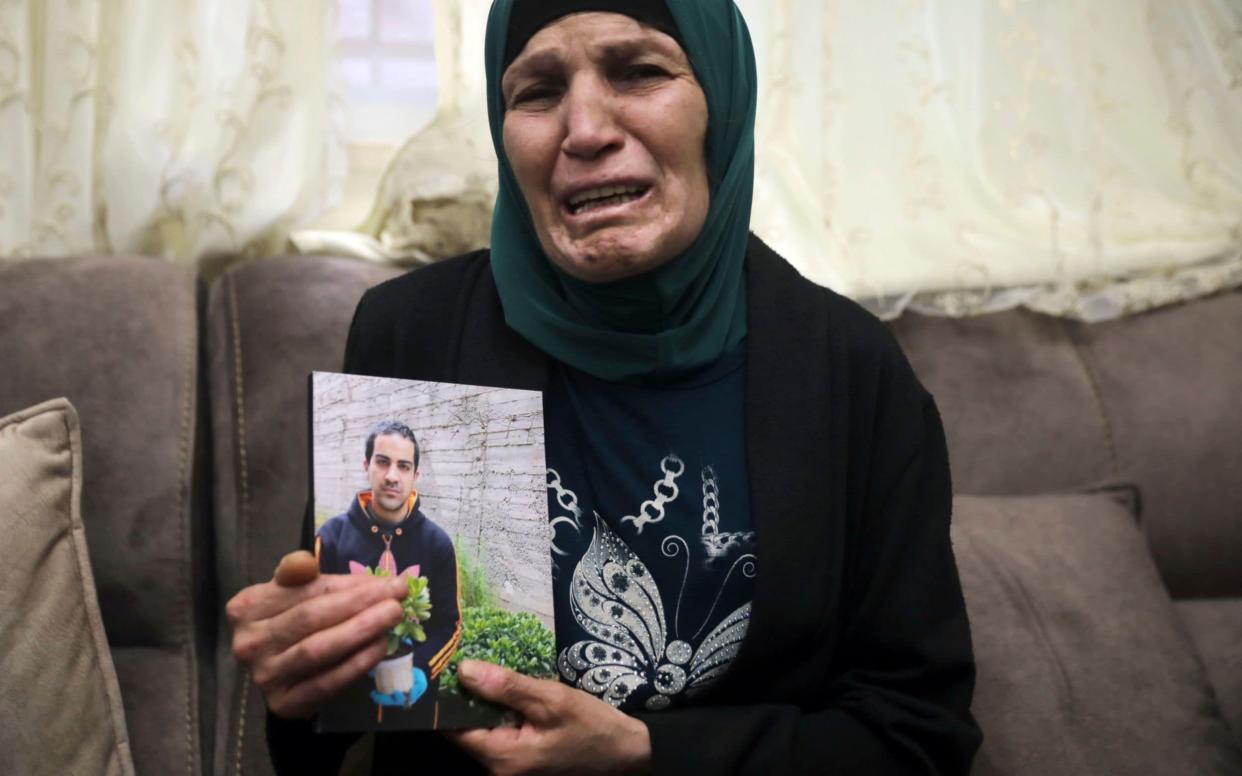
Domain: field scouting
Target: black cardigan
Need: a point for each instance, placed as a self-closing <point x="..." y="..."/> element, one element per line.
<point x="858" y="655"/>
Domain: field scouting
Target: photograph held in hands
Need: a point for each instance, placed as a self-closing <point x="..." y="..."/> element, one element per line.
<point x="443" y="486"/>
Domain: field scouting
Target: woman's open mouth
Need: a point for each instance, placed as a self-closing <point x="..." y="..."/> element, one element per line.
<point x="590" y="200"/>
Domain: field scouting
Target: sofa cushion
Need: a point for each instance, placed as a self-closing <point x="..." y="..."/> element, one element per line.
<point x="118" y="336"/>
<point x="1083" y="665"/>
<point x="60" y="705"/>
<point x="270" y="323"/>
<point x="1034" y="404"/>
<point x="1170" y="380"/>
<point x="1020" y="411"/>
<point x="1215" y="624"/>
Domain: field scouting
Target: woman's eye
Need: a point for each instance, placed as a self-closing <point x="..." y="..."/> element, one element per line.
<point x="534" y="94"/>
<point x="643" y="72"/>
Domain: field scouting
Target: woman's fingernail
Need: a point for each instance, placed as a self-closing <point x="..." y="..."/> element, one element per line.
<point x="397" y="587"/>
<point x="468" y="670"/>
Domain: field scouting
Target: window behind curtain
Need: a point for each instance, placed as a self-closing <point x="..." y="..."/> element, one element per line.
<point x="389" y="68"/>
<point x="388" y="75"/>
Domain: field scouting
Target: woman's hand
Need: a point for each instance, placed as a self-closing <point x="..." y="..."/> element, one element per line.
<point x="305" y="637"/>
<point x="564" y="730"/>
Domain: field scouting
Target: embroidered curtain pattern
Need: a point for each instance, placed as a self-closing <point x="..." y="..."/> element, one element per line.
<point x="182" y="129"/>
<point x="967" y="155"/>
<point x="954" y="156"/>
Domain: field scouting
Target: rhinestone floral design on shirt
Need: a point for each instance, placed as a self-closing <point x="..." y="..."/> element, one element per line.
<point x="615" y="599"/>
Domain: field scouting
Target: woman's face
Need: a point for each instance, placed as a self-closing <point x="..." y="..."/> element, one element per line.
<point x="605" y="126"/>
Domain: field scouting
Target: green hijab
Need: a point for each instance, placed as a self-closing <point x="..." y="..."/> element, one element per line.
<point x="691" y="310"/>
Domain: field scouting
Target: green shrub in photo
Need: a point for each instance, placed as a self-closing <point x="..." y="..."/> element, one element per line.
<point x="515" y="640"/>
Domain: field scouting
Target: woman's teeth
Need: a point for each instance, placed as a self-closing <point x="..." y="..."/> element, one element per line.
<point x="593" y="199"/>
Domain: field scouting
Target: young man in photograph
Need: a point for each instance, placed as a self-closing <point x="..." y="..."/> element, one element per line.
<point x="384" y="528"/>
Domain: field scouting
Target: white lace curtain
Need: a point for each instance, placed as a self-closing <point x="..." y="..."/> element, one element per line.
<point x="175" y="128"/>
<point x="956" y="156"/>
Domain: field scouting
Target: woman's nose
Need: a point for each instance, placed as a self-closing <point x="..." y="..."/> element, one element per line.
<point x="591" y="126"/>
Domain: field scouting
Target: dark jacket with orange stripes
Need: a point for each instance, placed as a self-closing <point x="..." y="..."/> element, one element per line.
<point x="356" y="535"/>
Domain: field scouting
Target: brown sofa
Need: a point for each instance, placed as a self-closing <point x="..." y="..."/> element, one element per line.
<point x="192" y="403"/>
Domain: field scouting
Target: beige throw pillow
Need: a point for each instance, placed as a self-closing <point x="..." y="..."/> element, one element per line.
<point x="1083" y="665"/>
<point x="60" y="705"/>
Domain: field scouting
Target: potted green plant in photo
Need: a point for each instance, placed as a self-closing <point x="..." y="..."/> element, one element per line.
<point x="395" y="674"/>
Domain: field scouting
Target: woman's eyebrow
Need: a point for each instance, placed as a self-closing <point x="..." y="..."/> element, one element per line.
<point x="631" y="48"/>
<point x="535" y="63"/>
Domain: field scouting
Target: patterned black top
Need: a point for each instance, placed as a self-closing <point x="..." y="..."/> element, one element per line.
<point x="653" y="547"/>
